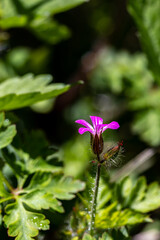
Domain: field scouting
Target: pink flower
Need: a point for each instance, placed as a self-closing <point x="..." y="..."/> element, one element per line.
<point x="98" y="126"/>
<point x="96" y="131"/>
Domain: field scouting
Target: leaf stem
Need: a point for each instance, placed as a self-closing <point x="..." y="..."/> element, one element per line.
<point x="6" y="182"/>
<point x="95" y="194"/>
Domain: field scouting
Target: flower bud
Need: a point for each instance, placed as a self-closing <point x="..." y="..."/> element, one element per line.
<point x="97" y="144"/>
<point x="113" y="152"/>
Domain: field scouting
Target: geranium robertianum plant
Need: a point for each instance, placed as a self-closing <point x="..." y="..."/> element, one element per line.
<point x="97" y="146"/>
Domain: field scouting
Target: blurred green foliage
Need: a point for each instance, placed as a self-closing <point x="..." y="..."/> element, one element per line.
<point x="121" y="204"/>
<point x="37" y="17"/>
<point x="121" y="83"/>
<point x="146" y="15"/>
<point x="128" y="77"/>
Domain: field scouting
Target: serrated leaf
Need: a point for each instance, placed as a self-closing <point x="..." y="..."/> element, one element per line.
<point x="146" y="16"/>
<point x="7" y="133"/>
<point x="60" y="186"/>
<point x="64" y="188"/>
<point x="41" y="200"/>
<point x="112" y="218"/>
<point x="17" y="164"/>
<point x="22" y="164"/>
<point x="23" y="224"/>
<point x="150" y="201"/>
<point x="141" y="198"/>
<point x="24" y="91"/>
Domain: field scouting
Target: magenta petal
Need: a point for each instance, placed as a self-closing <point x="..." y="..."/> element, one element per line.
<point x="112" y="125"/>
<point x="96" y="121"/>
<point x="83" y="130"/>
<point x="84" y="123"/>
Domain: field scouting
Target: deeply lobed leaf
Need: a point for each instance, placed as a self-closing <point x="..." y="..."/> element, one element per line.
<point x="109" y="217"/>
<point x="60" y="186"/>
<point x="139" y="197"/>
<point x="23" y="224"/>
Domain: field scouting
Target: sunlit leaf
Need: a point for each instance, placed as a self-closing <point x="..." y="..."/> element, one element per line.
<point x="23" y="224"/>
<point x="109" y="217"/>
<point x="60" y="186"/>
<point x="40" y="200"/>
<point x="139" y="196"/>
<point x="24" y="91"/>
<point x="88" y="237"/>
<point x="3" y="192"/>
<point x="56" y="6"/>
<point x="7" y="131"/>
<point x="41" y="165"/>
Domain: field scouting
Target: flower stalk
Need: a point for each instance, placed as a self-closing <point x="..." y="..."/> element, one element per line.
<point x="97" y="146"/>
<point x="95" y="194"/>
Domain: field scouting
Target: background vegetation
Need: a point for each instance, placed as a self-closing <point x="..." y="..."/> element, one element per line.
<point x="46" y="47"/>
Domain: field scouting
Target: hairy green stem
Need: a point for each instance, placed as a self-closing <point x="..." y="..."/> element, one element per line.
<point x="94" y="199"/>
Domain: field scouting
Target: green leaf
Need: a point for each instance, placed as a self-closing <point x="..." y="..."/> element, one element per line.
<point x="106" y="236"/>
<point x="22" y="164"/>
<point x="71" y="150"/>
<point x="150" y="200"/>
<point x="56" y="6"/>
<point x="3" y="192"/>
<point x="13" y="21"/>
<point x="88" y="237"/>
<point x="65" y="187"/>
<point x="48" y="30"/>
<point x="24" y="91"/>
<point x="36" y="15"/>
<point x="119" y="234"/>
<point x="109" y="217"/>
<point x="147" y="124"/>
<point x="146" y="16"/>
<point x="7" y="133"/>
<point x="116" y="235"/>
<point x="41" y="165"/>
<point x="149" y="100"/>
<point x="40" y="200"/>
<point x="114" y="71"/>
<point x="139" y="197"/>
<point x="23" y="224"/>
<point x="60" y="186"/>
